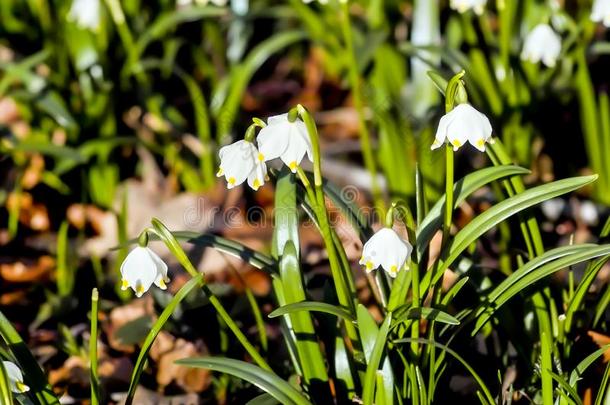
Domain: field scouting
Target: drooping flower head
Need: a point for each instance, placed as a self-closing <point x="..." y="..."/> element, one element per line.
<point x="15" y="378"/>
<point x="463" y="123"/>
<point x="478" y="6"/>
<point x="141" y="269"/>
<point x="542" y="44"/>
<point x="285" y="139"/>
<point x="242" y="161"/>
<point x="601" y="12"/>
<point x="385" y="249"/>
<point x="85" y="13"/>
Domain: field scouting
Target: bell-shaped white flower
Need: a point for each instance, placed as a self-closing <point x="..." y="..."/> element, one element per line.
<point x="241" y="161"/>
<point x="601" y="12"/>
<point x="85" y="13"/>
<point x="542" y="44"/>
<point x="284" y="139"/>
<point x="141" y="268"/>
<point x="478" y="6"/>
<point x="15" y="378"/>
<point x="385" y="249"/>
<point x="463" y="123"/>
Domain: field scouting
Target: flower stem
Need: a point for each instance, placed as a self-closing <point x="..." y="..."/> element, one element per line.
<point x="174" y="247"/>
<point x="355" y="84"/>
<point x="448" y="193"/>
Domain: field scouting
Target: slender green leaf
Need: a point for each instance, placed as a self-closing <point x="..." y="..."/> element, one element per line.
<point x="154" y="331"/>
<point x="315" y="307"/>
<point x="580" y="369"/>
<point x="6" y="396"/>
<point x="370" y="378"/>
<point x="263" y="379"/>
<point x="431" y="314"/>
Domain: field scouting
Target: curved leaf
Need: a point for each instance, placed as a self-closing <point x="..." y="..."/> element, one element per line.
<point x="370" y="377"/>
<point x="154" y="331"/>
<point x="265" y="380"/>
<point x="461" y="190"/>
<point x="315" y="307"/>
<point x="431" y="314"/>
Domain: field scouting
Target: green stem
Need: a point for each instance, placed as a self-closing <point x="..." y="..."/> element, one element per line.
<point x="448" y="193"/>
<point x="93" y="349"/>
<point x="174" y="247"/>
<point x="355" y="84"/>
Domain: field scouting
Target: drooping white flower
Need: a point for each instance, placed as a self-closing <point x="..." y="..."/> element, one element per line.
<point x="284" y="139"/>
<point x="601" y="12"/>
<point x="463" y="123"/>
<point x="542" y="44"/>
<point x="478" y="6"/>
<point x="385" y="249"/>
<point x="141" y="268"/>
<point x="15" y="378"/>
<point x="85" y="13"/>
<point x="241" y="161"/>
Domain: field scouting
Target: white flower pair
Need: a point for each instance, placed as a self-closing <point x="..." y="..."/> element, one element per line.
<point x="281" y="138"/>
<point x="15" y="378"/>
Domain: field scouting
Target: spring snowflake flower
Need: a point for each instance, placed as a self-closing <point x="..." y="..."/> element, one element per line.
<point x="463" y="123"/>
<point x="85" y="13"/>
<point x="240" y="161"/>
<point x="284" y="139"/>
<point x="141" y="268"/>
<point x="385" y="249"/>
<point x="542" y="44"/>
<point x="478" y="6"/>
<point x="15" y="378"/>
<point x="601" y="12"/>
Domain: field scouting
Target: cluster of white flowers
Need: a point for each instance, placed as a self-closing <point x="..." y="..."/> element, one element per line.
<point x="15" y="378"/>
<point x="280" y="138"/>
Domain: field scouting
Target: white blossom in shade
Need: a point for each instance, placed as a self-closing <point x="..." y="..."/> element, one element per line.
<point x="601" y="12"/>
<point x="241" y="161"/>
<point x="15" y="378"/>
<point x="142" y="268"/>
<point x="85" y="13"/>
<point x="542" y="44"/>
<point x="553" y="208"/>
<point x="478" y="6"/>
<point x="284" y="139"/>
<point x="463" y="123"/>
<point x="385" y="249"/>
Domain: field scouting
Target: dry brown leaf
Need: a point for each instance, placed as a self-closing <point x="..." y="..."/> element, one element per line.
<point x="190" y="379"/>
<point x="26" y="271"/>
<point x="601" y="341"/>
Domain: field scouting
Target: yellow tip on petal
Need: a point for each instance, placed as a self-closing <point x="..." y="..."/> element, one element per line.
<point x="124" y="284"/>
<point x="261" y="157"/>
<point x="231" y="181"/>
<point x="456" y="143"/>
<point x="369" y="265"/>
<point x="256" y="184"/>
<point x="21" y="387"/>
<point x="394" y="269"/>
<point x="162" y="284"/>
<point x="293" y="166"/>
<point x="139" y="290"/>
<point x="220" y="172"/>
<point x="481" y="143"/>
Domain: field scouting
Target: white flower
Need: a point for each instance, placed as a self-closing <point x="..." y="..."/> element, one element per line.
<point x="240" y="161"/>
<point x="284" y="139"/>
<point x="141" y="268"/>
<point x="463" y="123"/>
<point x="601" y="12"/>
<point x="15" y="378"/>
<point x="478" y="6"/>
<point x="385" y="249"/>
<point x="542" y="44"/>
<point x="85" y="13"/>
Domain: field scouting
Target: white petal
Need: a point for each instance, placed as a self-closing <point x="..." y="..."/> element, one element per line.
<point x="256" y="178"/>
<point x="441" y="131"/>
<point x="386" y="249"/>
<point x="273" y="139"/>
<point x="237" y="161"/>
<point x="15" y="377"/>
<point x="542" y="44"/>
<point x="85" y="13"/>
<point x="139" y="270"/>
